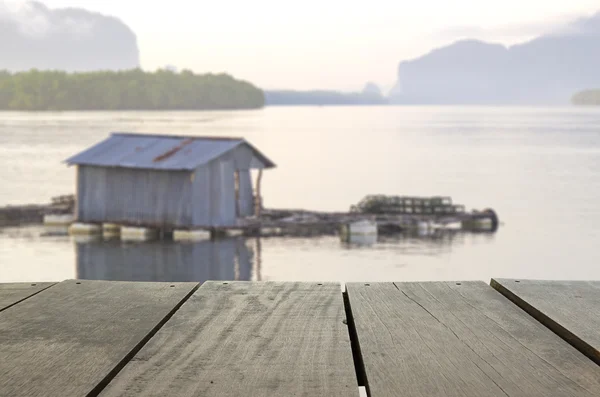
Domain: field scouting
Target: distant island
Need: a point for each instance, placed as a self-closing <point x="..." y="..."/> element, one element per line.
<point x="70" y="39"/>
<point x="74" y="59"/>
<point x="587" y="98"/>
<point x="545" y="71"/>
<point x="126" y="90"/>
<point x="371" y="95"/>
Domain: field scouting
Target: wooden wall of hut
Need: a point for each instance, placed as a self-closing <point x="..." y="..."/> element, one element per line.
<point x="205" y="197"/>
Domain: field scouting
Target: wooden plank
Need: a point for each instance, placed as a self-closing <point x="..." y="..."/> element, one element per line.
<point x="70" y="339"/>
<point x="248" y="339"/>
<point x="460" y="340"/>
<point x="569" y="308"/>
<point x="13" y="293"/>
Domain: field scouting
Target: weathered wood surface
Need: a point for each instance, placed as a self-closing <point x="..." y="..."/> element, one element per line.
<point x="13" y="293"/>
<point x="569" y="308"/>
<point x="70" y="338"/>
<point x="247" y="339"/>
<point x="444" y="339"/>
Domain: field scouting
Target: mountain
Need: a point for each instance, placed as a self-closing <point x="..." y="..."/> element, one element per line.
<point x="70" y="39"/>
<point x="372" y="89"/>
<point x="545" y="70"/>
<point x="370" y="95"/>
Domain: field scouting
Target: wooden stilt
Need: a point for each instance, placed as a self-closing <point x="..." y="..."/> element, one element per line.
<point x="258" y="199"/>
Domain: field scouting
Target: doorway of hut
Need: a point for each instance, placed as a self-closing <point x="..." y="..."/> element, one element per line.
<point x="248" y="200"/>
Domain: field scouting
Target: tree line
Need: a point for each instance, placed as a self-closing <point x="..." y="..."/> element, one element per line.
<point x="284" y="97"/>
<point x="589" y="97"/>
<point x="37" y="90"/>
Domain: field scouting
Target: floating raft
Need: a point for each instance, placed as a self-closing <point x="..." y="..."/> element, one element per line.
<point x="381" y="204"/>
<point x="58" y="212"/>
<point x="383" y="214"/>
<point x="301" y="222"/>
<point x="435" y="339"/>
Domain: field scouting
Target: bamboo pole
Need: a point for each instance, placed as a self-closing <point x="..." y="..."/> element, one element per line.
<point x="236" y="176"/>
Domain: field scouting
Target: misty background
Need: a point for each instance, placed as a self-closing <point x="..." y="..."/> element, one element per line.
<point x="519" y="56"/>
<point x="70" y="39"/>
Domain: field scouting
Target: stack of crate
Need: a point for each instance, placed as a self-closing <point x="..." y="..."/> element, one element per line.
<point x="381" y="204"/>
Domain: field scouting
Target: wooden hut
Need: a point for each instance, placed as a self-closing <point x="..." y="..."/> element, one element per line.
<point x="166" y="181"/>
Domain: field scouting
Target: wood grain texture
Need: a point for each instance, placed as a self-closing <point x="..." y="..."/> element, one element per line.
<point x="443" y="339"/>
<point x="66" y="340"/>
<point x="247" y="339"/>
<point x="569" y="308"/>
<point x="13" y="293"/>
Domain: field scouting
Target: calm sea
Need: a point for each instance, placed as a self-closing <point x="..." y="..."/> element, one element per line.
<point x="539" y="168"/>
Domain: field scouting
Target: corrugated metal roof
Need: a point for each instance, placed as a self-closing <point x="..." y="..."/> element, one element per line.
<point x="165" y="152"/>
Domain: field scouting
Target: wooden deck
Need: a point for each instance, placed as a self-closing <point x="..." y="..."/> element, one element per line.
<point x="453" y="339"/>
<point x="11" y="294"/>
<point x="571" y="309"/>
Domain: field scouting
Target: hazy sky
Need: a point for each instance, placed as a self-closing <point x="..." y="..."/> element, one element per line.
<point x="338" y="44"/>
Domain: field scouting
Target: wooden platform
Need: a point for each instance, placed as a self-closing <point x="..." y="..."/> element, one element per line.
<point x="451" y="339"/>
<point x="569" y="308"/>
<point x="11" y="294"/>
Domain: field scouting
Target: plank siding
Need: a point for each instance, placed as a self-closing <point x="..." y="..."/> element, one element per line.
<point x="204" y="197"/>
<point x="134" y="196"/>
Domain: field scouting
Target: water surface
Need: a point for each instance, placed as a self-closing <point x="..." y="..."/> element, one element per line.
<point x="539" y="168"/>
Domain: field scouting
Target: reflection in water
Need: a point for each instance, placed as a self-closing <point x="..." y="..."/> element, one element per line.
<point x="258" y="260"/>
<point x="440" y="256"/>
<point x="226" y="259"/>
<point x="241" y="259"/>
<point x="362" y="239"/>
<point x="416" y="242"/>
<point x="441" y="242"/>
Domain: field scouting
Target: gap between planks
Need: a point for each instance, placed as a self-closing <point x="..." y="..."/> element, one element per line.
<point x="51" y="284"/>
<point x="553" y="325"/>
<point x="239" y="331"/>
<point x="112" y="374"/>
